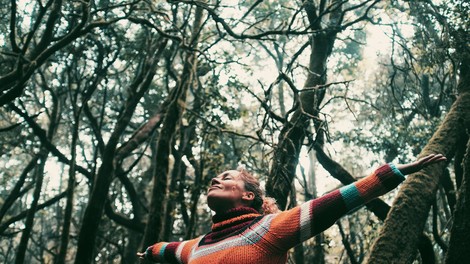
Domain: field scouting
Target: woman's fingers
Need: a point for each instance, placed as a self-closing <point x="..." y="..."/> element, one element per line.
<point x="431" y="159"/>
<point x="421" y="163"/>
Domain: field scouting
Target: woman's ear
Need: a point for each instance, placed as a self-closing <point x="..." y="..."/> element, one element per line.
<point x="248" y="196"/>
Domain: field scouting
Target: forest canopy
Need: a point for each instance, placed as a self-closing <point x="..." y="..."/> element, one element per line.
<point x="115" y="116"/>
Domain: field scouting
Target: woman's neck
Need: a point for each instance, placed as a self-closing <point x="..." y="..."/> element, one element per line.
<point x="232" y="213"/>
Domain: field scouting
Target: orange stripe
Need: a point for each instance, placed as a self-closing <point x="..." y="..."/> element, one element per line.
<point x="187" y="249"/>
<point x="369" y="187"/>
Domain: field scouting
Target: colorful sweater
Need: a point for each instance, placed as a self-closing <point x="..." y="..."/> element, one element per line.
<point x="242" y="235"/>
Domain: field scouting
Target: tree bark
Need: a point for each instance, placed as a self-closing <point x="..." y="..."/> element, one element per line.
<point x="293" y="133"/>
<point x="39" y="175"/>
<point x="187" y="134"/>
<point x="16" y="192"/>
<point x="29" y="223"/>
<point x="100" y="188"/>
<point x="459" y="243"/>
<point x="64" y="240"/>
<point x="177" y="101"/>
<point x="318" y="251"/>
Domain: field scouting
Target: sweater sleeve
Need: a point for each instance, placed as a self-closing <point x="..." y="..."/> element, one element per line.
<point x="170" y="252"/>
<point x="291" y="227"/>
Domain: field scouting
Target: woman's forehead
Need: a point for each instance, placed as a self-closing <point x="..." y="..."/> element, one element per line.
<point x="233" y="173"/>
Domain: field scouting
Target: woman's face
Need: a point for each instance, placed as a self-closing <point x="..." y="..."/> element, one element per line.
<point x="227" y="191"/>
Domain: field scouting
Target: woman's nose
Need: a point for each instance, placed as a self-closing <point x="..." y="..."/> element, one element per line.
<point x="215" y="181"/>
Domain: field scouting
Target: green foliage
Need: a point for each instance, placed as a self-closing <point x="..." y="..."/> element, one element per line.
<point x="229" y="111"/>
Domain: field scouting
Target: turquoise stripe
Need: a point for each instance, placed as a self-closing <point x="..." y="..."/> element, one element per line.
<point x="351" y="196"/>
<point x="162" y="250"/>
<point x="396" y="170"/>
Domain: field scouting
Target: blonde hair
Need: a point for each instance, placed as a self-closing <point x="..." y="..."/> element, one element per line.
<point x="262" y="204"/>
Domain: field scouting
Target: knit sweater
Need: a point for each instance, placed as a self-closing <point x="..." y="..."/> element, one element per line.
<point x="242" y="235"/>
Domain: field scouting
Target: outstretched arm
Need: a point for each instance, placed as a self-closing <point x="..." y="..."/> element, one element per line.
<point x="300" y="223"/>
<point x="413" y="167"/>
<point x="172" y="252"/>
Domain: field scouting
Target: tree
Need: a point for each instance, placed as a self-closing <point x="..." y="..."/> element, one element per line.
<point x="458" y="243"/>
<point x="31" y="47"/>
<point x="413" y="202"/>
<point x="175" y="103"/>
<point x="308" y="100"/>
<point x="116" y="115"/>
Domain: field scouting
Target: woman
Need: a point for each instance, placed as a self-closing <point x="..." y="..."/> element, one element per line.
<point x="248" y="229"/>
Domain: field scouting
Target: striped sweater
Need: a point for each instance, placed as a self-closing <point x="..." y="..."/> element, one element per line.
<point x="243" y="235"/>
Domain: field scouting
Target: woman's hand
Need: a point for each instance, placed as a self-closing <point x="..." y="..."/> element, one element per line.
<point x="421" y="163"/>
<point x="141" y="256"/>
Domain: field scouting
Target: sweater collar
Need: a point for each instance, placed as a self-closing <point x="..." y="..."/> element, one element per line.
<point x="230" y="223"/>
<point x="233" y="217"/>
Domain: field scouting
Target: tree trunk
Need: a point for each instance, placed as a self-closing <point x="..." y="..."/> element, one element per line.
<point x="29" y="223"/>
<point x="299" y="249"/>
<point x="39" y="173"/>
<point x="398" y="239"/>
<point x="64" y="240"/>
<point x="178" y="168"/>
<point x="162" y="168"/>
<point x="459" y="243"/>
<point x="177" y="100"/>
<point x="318" y="252"/>
<point x="292" y="135"/>
<point x="77" y="110"/>
<point x="94" y="211"/>
<point x="15" y="193"/>
<point x="196" y="193"/>
<point x="132" y="246"/>
<point x="100" y="188"/>
<point x="187" y="134"/>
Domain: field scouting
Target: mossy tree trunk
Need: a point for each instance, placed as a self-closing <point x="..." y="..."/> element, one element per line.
<point x="459" y="243"/>
<point x="398" y="239"/>
<point x="294" y="131"/>
<point x="175" y="108"/>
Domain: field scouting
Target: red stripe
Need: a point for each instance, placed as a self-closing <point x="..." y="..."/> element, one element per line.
<point x="326" y="210"/>
<point x="170" y="252"/>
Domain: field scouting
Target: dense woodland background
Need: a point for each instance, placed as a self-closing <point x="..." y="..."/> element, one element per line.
<point x="116" y="114"/>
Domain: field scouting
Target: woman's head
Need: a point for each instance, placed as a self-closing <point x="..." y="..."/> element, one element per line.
<point x="237" y="188"/>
